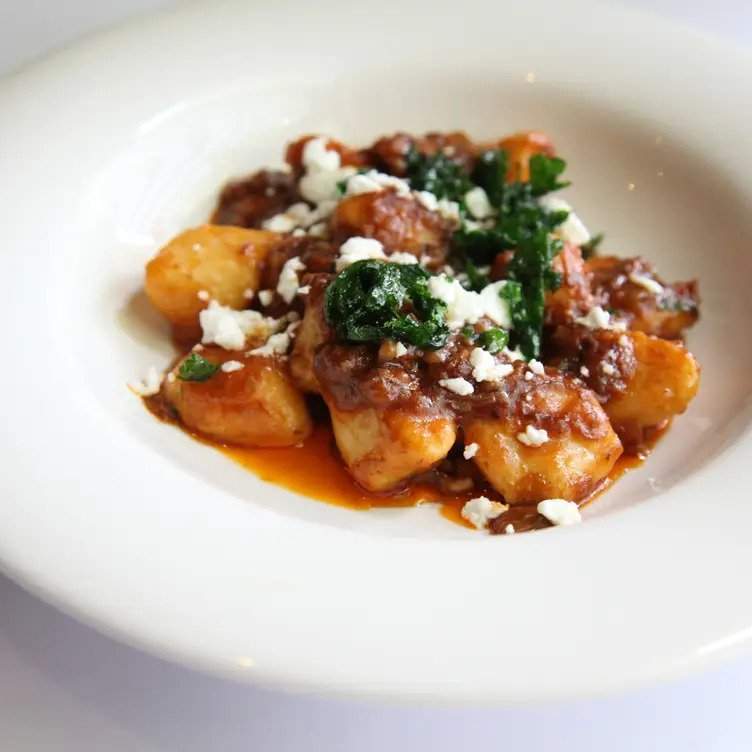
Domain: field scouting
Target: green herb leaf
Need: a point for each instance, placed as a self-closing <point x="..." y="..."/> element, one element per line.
<point x="493" y="340"/>
<point x="196" y="368"/>
<point x="476" y="279"/>
<point x="490" y="174"/>
<point x="372" y="300"/>
<point x="438" y="174"/>
<point x="545" y="172"/>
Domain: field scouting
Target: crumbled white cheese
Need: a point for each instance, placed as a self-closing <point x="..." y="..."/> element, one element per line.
<point x="467" y="307"/>
<point x="374" y="181"/>
<point x="399" y="350"/>
<point x="323" y="172"/>
<point x="647" y="283"/>
<point x="481" y="510"/>
<point x="203" y="295"/>
<point x="449" y="210"/>
<point x="149" y="385"/>
<point x="513" y="354"/>
<point x="358" y="249"/>
<point x="304" y="290"/>
<point x="598" y="318"/>
<point x="457" y="385"/>
<point x="232" y="365"/>
<point x="298" y="232"/>
<point x="560" y="511"/>
<point x="198" y="347"/>
<point x="477" y="203"/>
<point x="279" y="223"/>
<point x="428" y="200"/>
<point x="532" y="436"/>
<point x="171" y="378"/>
<point x="509" y="529"/>
<point x="277" y="344"/>
<point x="486" y="368"/>
<point x="470" y="450"/>
<point x="585" y="371"/>
<point x="529" y="376"/>
<point x="288" y="283"/>
<point x="265" y="297"/>
<point x="608" y="369"/>
<point x="624" y="340"/>
<point x="571" y="230"/>
<point x="229" y="328"/>
<point x="319" y="230"/>
<point x="318" y="157"/>
<point x="536" y="367"/>
<point x="248" y="293"/>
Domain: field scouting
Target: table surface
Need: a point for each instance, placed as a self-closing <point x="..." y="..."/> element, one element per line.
<point x="65" y="687"/>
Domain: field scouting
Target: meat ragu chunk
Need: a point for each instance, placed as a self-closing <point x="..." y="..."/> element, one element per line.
<point x="390" y="152"/>
<point x="631" y="287"/>
<point x="400" y="223"/>
<point x="252" y="200"/>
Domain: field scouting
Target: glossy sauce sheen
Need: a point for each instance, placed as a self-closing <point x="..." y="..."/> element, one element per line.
<point x="315" y="469"/>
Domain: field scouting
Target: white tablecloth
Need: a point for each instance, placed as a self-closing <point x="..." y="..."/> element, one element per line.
<point x="65" y="687"/>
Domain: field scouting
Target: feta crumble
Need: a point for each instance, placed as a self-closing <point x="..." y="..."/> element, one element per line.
<point x="323" y="172"/>
<point x="532" y="436"/>
<point x="229" y="328"/>
<point x="572" y="230"/>
<point x="203" y="295"/>
<point x="585" y="371"/>
<point x="481" y="510"/>
<point x="486" y="368"/>
<point x="646" y="283"/>
<point x="265" y="297"/>
<point x="560" y="511"/>
<point x="598" y="318"/>
<point x="399" y="350"/>
<point x="149" y="385"/>
<point x="288" y="283"/>
<point x="427" y="200"/>
<point x="277" y="344"/>
<point x="248" y="293"/>
<point x="374" y="181"/>
<point x="608" y="369"/>
<point x="536" y="367"/>
<point x="304" y="290"/>
<point x="468" y="307"/>
<point x="232" y="365"/>
<point x="358" y="249"/>
<point x="509" y="529"/>
<point x="477" y="203"/>
<point x="457" y="385"/>
<point x="470" y="450"/>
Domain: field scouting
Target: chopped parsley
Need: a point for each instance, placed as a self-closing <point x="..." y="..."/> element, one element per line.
<point x="371" y="301"/>
<point x="196" y="368"/>
<point x="493" y="340"/>
<point x="437" y="174"/>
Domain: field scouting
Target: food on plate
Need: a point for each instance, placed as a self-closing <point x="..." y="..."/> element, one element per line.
<point x="433" y="309"/>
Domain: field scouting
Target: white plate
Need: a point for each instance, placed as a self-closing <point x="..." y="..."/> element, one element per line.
<point x="112" y="146"/>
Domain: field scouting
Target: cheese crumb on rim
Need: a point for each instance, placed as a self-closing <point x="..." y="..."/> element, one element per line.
<point x="457" y="385"/>
<point x="481" y="510"/>
<point x="560" y="511"/>
<point x="532" y="436"/>
<point x="149" y="385"/>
